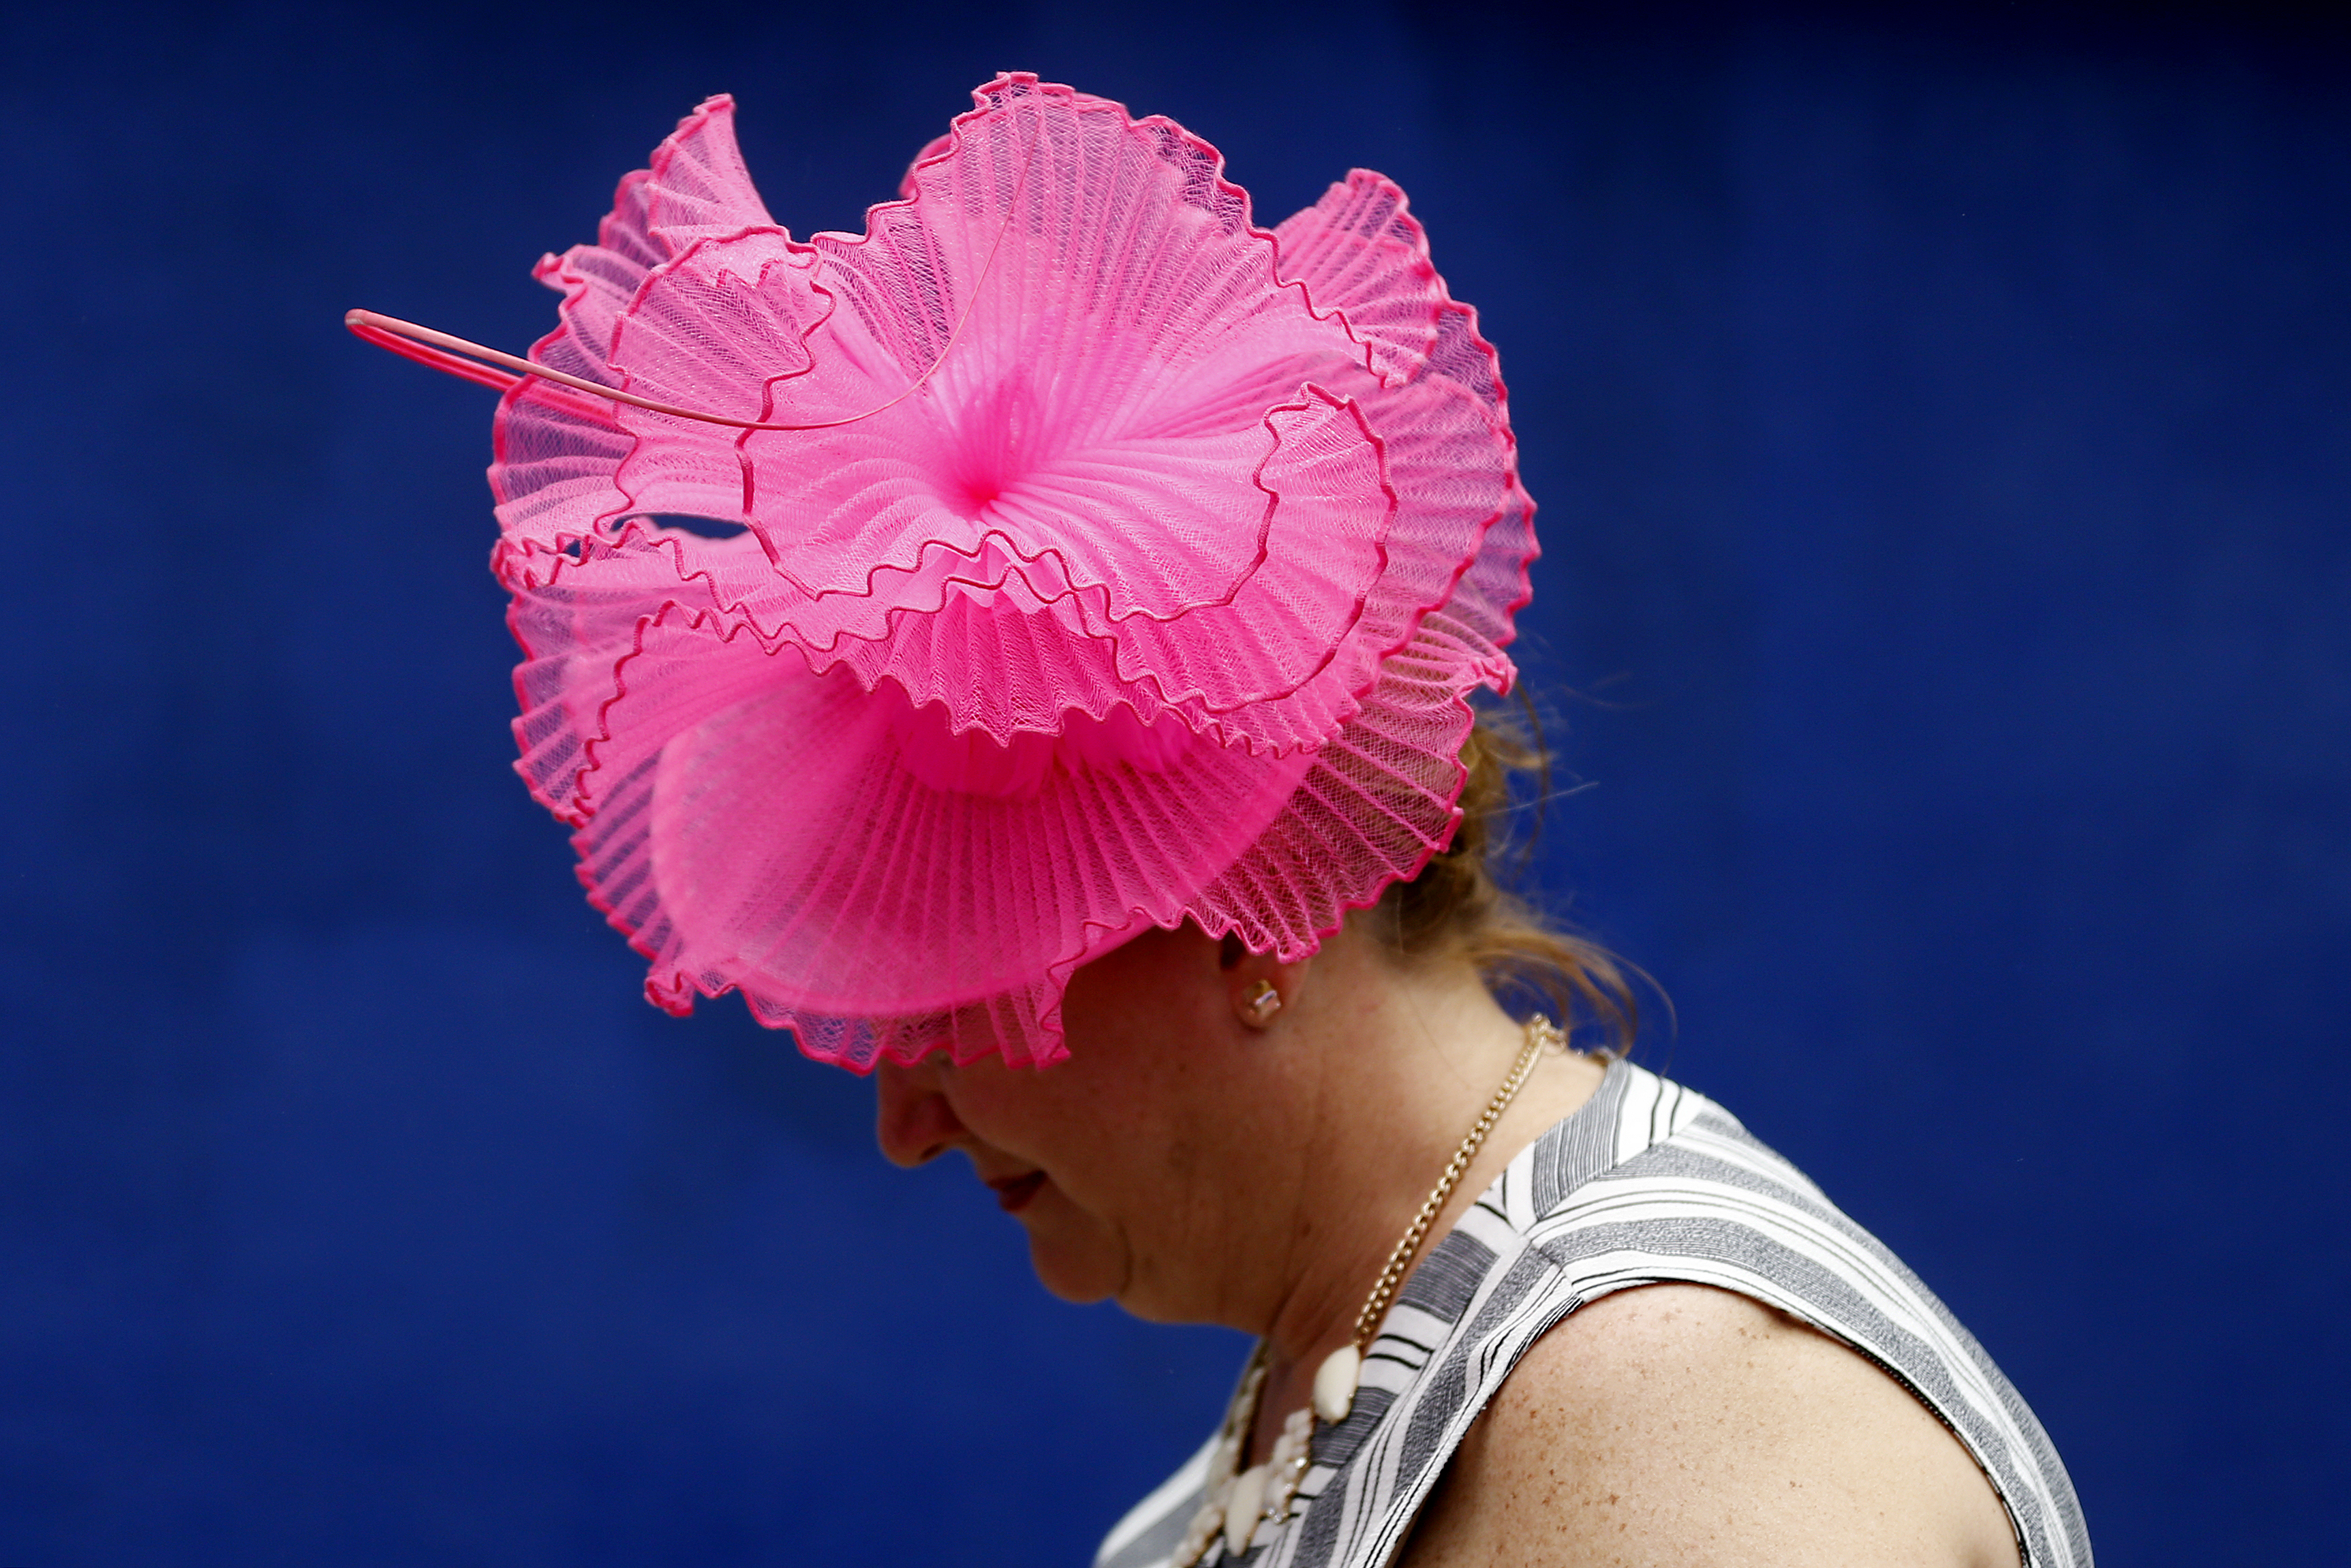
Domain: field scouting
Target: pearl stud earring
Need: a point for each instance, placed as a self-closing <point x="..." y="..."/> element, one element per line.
<point x="1262" y="1002"/>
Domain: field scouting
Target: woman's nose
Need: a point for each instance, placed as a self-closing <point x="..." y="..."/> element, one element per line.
<point x="913" y="1121"/>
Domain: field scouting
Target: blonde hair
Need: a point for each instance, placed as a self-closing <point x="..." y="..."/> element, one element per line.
<point x="1462" y="905"/>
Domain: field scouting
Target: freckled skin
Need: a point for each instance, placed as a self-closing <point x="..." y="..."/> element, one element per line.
<point x="1680" y="1425"/>
<point x="1195" y="1169"/>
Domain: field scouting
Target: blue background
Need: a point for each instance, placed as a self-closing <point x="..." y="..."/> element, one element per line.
<point x="1943" y="422"/>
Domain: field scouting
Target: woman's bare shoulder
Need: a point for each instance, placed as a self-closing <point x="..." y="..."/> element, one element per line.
<point x="1678" y="1424"/>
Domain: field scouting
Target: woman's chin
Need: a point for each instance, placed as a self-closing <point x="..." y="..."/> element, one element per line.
<point x="1080" y="1281"/>
<point x="1075" y="1256"/>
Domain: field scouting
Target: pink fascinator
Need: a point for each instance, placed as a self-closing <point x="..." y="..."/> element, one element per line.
<point x="1105" y="560"/>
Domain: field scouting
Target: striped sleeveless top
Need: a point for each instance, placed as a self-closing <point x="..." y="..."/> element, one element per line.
<point x="1646" y="1182"/>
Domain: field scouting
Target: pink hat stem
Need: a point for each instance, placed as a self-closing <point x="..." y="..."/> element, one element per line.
<point x="442" y="352"/>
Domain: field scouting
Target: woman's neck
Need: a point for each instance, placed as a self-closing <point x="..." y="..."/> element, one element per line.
<point x="1389" y="1067"/>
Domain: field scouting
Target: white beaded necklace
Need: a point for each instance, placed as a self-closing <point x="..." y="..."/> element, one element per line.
<point x="1236" y="1500"/>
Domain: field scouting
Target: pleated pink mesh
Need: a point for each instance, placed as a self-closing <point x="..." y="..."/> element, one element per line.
<point x="1158" y="597"/>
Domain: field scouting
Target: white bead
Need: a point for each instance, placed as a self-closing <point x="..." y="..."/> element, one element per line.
<point x="1207" y="1525"/>
<point x="1334" y="1384"/>
<point x="1242" y="1508"/>
<point x="1284" y="1487"/>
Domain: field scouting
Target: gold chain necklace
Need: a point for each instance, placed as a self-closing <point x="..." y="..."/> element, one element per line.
<point x="1234" y="1500"/>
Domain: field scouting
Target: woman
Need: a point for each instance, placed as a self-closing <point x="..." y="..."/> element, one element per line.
<point x="1206" y="1155"/>
<point x="1070" y="720"/>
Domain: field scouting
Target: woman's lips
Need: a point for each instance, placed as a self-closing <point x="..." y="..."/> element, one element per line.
<point x="1013" y="1193"/>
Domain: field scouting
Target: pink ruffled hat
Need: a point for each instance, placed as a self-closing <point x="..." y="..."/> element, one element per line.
<point x="1105" y="561"/>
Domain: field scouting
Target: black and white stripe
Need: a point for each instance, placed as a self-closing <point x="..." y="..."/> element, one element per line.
<point x="1646" y="1182"/>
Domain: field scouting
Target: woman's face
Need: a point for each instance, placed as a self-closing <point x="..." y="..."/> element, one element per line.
<point x="1101" y="1157"/>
